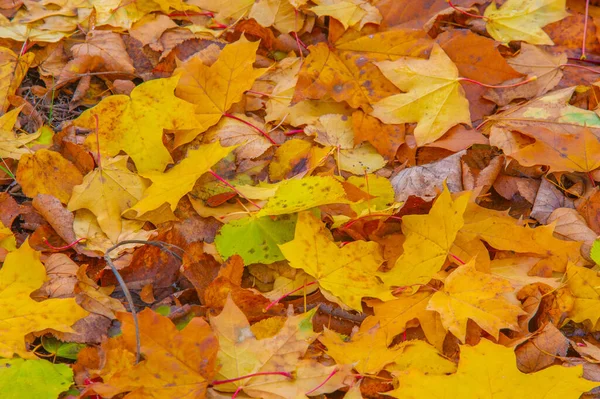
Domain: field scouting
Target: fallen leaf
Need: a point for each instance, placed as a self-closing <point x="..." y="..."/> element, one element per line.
<point x="531" y="61"/>
<point x="426" y="181"/>
<point x="583" y="284"/>
<point x="135" y="123"/>
<point x="297" y="195"/>
<point x="476" y="376"/>
<point x="235" y="339"/>
<point x="21" y="314"/>
<point x="47" y="172"/>
<point x="170" y="187"/>
<point x="523" y="20"/>
<point x="428" y="242"/>
<point x="108" y="191"/>
<point x="13" y="70"/>
<point x="348" y="12"/>
<point x="477" y="57"/>
<point x="176" y="363"/>
<point x="214" y="89"/>
<point x="256" y="240"/>
<point x="471" y="295"/>
<point x="17" y="374"/>
<point x="348" y="273"/>
<point x="432" y="96"/>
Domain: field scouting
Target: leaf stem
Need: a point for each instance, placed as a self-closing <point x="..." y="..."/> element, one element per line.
<point x="265" y="134"/>
<point x="275" y="302"/>
<point x="292" y="132"/>
<point x="282" y="373"/>
<point x="579" y="66"/>
<point x="333" y="372"/>
<point x="225" y="182"/>
<point x="65" y="247"/>
<point x="457" y="258"/>
<point x="531" y="79"/>
<point x="585" y="28"/>
<point x="466" y="13"/>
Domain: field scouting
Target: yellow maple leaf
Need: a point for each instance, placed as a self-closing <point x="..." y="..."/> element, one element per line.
<point x="523" y="20"/>
<point x="48" y="172"/>
<point x="562" y="152"/>
<point x="21" y="274"/>
<point x="433" y="95"/>
<point x="11" y="144"/>
<point x="369" y="353"/>
<point x="169" y="187"/>
<point x="348" y="12"/>
<point x="7" y="239"/>
<point x="13" y="69"/>
<point x="85" y="225"/>
<point x="107" y="192"/>
<point x="429" y="239"/>
<point x="506" y="233"/>
<point x="277" y="13"/>
<point x="177" y="364"/>
<point x="297" y="195"/>
<point x="469" y="294"/>
<point x="135" y="123"/>
<point x="347" y="273"/>
<point x="584" y="285"/>
<point x="279" y="107"/>
<point x="296" y="152"/>
<point x="214" y="89"/>
<point x="337" y="132"/>
<point x="394" y="317"/>
<point x="241" y="353"/>
<point x="489" y="370"/>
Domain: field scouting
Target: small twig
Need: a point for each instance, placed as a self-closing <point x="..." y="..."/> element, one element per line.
<point x="159" y="244"/>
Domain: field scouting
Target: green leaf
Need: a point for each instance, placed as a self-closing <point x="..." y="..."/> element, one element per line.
<point x="595" y="252"/>
<point x="256" y="240"/>
<point x="67" y="350"/>
<point x="33" y="379"/>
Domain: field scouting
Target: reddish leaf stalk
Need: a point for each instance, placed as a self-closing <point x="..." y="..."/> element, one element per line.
<point x="580" y="67"/>
<point x="265" y="134"/>
<point x="235" y="394"/>
<point x="282" y="373"/>
<point x="457" y="259"/>
<point x="531" y="79"/>
<point x="589" y="175"/>
<point x="275" y="302"/>
<point x="65" y="247"/>
<point x="217" y="25"/>
<point x="225" y="182"/>
<point x="292" y="132"/>
<point x="466" y="13"/>
<point x="333" y="372"/>
<point x="300" y="42"/>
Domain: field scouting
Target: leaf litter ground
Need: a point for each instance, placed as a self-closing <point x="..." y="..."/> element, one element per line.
<point x="304" y="198"/>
